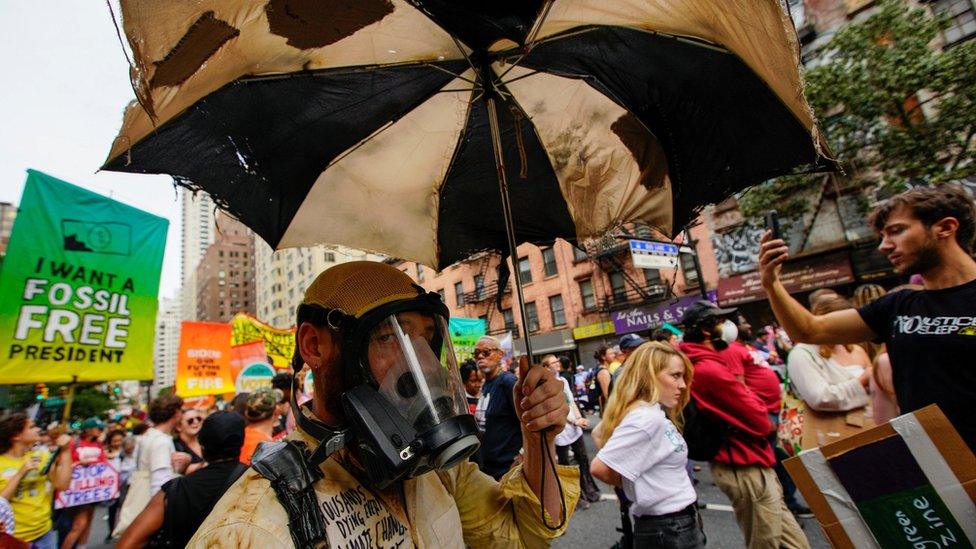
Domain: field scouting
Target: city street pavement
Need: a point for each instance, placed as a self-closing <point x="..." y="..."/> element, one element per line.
<point x="596" y="527"/>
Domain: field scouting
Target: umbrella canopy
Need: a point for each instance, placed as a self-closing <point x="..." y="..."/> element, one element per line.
<point x="364" y="122"/>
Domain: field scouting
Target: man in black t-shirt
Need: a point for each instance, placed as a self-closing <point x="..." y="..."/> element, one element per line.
<point x="930" y="333"/>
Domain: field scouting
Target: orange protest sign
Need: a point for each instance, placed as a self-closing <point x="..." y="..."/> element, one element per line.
<point x="203" y="366"/>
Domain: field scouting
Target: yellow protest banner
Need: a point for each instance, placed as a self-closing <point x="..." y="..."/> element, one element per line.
<point x="278" y="343"/>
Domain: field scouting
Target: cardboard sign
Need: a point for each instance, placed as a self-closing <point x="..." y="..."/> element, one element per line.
<point x="89" y="484"/>
<point x="908" y="483"/>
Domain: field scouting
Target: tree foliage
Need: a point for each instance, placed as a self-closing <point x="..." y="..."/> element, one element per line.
<point x="894" y="105"/>
<point x="88" y="401"/>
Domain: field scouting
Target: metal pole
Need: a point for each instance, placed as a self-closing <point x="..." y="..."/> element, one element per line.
<point x="66" y="415"/>
<point x="496" y="145"/>
<point x="698" y="270"/>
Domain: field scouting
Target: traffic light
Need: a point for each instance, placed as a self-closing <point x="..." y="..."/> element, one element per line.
<point x="40" y="391"/>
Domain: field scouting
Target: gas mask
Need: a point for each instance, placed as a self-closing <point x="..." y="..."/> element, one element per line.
<point x="406" y="407"/>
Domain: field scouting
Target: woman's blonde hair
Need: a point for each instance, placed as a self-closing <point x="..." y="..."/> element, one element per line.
<point x="638" y="384"/>
<point x="830" y="304"/>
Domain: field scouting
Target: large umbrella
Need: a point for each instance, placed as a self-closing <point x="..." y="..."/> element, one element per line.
<point x="390" y="125"/>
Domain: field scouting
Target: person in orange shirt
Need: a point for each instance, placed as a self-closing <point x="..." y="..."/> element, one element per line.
<point x="262" y="413"/>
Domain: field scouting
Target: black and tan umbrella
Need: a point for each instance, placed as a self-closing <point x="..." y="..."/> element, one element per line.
<point x="389" y="125"/>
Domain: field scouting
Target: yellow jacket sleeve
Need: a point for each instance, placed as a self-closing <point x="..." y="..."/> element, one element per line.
<point x="506" y="513"/>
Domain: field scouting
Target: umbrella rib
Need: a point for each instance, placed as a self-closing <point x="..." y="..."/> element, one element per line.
<point x="530" y="40"/>
<point x="458" y="76"/>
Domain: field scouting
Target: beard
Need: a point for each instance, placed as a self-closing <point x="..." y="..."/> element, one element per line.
<point x="926" y="258"/>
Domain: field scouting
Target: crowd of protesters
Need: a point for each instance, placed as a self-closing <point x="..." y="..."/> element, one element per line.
<point x="652" y="403"/>
<point x="181" y="459"/>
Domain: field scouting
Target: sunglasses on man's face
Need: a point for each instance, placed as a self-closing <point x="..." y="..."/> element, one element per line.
<point x="194" y="419"/>
<point x="478" y="353"/>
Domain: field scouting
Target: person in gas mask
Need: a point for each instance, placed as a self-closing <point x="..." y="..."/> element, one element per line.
<point x="743" y="466"/>
<point x="379" y="458"/>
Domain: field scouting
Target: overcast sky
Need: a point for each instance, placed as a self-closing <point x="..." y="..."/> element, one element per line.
<point x="64" y="86"/>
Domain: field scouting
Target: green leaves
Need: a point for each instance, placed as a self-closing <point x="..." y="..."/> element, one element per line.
<point x="892" y="103"/>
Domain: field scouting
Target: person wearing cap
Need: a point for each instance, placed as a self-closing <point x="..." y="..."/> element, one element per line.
<point x="385" y="441"/>
<point x="174" y="514"/>
<point x="743" y="466"/>
<point x="86" y="451"/>
<point x="262" y="412"/>
<point x="495" y="413"/>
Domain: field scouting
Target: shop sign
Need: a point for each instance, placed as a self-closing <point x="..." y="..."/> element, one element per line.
<point x="645" y="318"/>
<point x="797" y="276"/>
<point x="596" y="329"/>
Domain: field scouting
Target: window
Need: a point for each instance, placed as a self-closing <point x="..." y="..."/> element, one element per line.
<point x="688" y="269"/>
<point x="459" y="293"/>
<point x="532" y="315"/>
<point x="329" y="257"/>
<point x="652" y="276"/>
<point x="420" y="272"/>
<point x="579" y="254"/>
<point x="556" y="308"/>
<point x="443" y="295"/>
<point x="525" y="270"/>
<point x="549" y="261"/>
<point x="962" y="19"/>
<point x="618" y="285"/>
<point x="586" y="292"/>
<point x="479" y="285"/>
<point x="509" y="319"/>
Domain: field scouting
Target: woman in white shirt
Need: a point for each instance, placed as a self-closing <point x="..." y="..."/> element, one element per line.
<point x="830" y="378"/>
<point x="643" y="451"/>
<point x="833" y="381"/>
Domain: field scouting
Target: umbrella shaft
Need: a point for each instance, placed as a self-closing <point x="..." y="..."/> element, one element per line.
<point x="496" y="145"/>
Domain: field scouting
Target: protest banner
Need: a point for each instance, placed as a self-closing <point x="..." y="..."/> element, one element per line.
<point x="203" y="365"/>
<point x="254" y="376"/>
<point x="78" y="287"/>
<point x="278" y="344"/>
<point x="908" y="483"/>
<point x="89" y="484"/>
<point x="246" y="354"/>
<point x="464" y="335"/>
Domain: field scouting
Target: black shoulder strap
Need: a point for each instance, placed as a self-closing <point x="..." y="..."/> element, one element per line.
<point x="285" y="464"/>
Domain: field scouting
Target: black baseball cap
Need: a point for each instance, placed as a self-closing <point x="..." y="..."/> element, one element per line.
<point x="631" y="341"/>
<point x="703" y="309"/>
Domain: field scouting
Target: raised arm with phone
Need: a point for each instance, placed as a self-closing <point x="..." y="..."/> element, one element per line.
<point x="930" y="334"/>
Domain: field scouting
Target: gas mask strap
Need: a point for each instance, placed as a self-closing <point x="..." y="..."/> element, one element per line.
<point x="330" y="440"/>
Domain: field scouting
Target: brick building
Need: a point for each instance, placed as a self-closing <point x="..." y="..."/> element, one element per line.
<point x="574" y="298"/>
<point x="225" y="274"/>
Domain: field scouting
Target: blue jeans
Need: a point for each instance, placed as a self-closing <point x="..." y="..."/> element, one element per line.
<point x="47" y="541"/>
<point x="681" y="530"/>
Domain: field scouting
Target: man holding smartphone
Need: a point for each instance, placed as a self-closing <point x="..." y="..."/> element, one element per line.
<point x="931" y="333"/>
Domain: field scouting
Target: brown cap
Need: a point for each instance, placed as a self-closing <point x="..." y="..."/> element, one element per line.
<point x="358" y="287"/>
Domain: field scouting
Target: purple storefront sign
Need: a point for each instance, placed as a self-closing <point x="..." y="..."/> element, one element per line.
<point x="643" y="318"/>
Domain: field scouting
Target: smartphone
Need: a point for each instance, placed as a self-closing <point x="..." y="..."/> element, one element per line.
<point x="772" y="223"/>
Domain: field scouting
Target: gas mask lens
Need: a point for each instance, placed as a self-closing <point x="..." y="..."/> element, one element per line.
<point x="411" y="359"/>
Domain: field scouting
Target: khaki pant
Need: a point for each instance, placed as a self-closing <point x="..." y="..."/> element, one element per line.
<point x="757" y="499"/>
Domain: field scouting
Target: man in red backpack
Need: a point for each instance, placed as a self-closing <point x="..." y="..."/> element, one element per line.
<point x="743" y="466"/>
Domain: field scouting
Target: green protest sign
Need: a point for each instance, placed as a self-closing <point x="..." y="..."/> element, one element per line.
<point x="78" y="287"/>
<point x="464" y="335"/>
